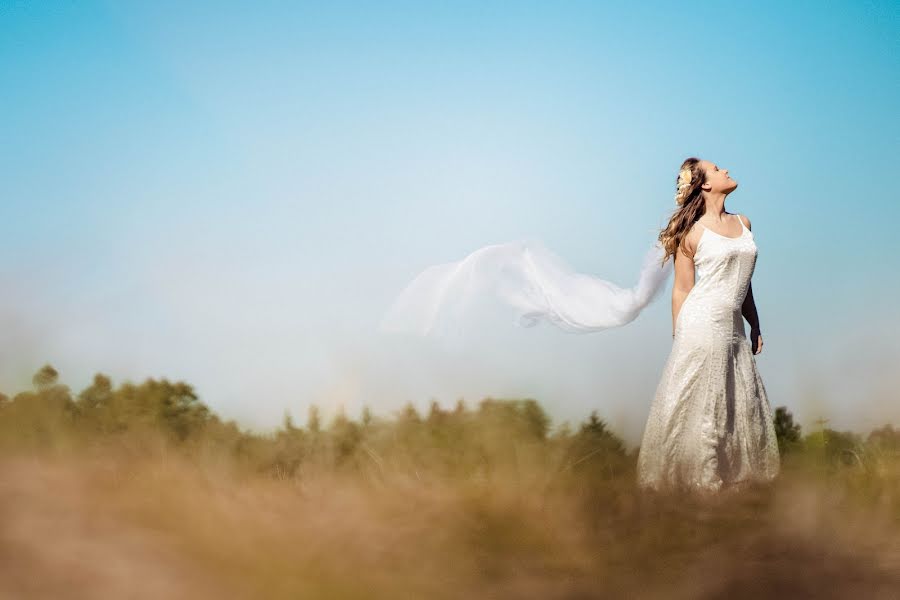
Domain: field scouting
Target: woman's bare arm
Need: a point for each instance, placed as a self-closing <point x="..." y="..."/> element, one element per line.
<point x="684" y="275"/>
<point x="748" y="310"/>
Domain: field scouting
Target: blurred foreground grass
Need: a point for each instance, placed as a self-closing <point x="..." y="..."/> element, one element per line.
<point x="141" y="492"/>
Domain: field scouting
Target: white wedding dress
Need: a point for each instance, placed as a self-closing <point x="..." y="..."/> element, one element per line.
<point x="710" y="424"/>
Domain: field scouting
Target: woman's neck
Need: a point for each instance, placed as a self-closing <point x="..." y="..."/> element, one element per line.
<point x="715" y="206"/>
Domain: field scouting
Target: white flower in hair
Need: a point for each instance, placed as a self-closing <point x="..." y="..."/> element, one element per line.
<point x="684" y="180"/>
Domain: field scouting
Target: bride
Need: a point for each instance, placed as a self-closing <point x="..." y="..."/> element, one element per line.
<point x="710" y="423"/>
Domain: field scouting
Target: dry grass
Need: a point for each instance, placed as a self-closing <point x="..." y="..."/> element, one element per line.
<point x="162" y="524"/>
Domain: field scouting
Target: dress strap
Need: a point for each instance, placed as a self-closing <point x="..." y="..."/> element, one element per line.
<point x="741" y="221"/>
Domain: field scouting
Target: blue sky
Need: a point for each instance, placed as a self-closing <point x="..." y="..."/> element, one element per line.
<point x="231" y="194"/>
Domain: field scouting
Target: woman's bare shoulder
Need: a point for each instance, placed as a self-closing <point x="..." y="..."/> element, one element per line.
<point x="691" y="239"/>
<point x="745" y="219"/>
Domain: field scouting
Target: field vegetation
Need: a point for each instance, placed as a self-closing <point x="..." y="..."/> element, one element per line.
<point x="141" y="491"/>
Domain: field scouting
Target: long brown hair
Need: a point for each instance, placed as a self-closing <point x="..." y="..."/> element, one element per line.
<point x="690" y="208"/>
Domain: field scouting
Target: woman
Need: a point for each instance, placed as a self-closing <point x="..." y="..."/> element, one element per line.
<point x="710" y="424"/>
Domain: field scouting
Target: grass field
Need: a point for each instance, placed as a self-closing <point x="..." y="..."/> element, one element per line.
<point x="141" y="492"/>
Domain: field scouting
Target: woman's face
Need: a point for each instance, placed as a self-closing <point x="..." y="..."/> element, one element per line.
<point x="717" y="179"/>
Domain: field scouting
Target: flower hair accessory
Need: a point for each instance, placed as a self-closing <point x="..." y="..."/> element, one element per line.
<point x="684" y="181"/>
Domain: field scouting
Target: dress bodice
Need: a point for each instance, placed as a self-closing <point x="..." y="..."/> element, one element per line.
<point x="723" y="268"/>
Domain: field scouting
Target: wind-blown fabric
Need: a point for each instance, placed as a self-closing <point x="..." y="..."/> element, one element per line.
<point x="532" y="281"/>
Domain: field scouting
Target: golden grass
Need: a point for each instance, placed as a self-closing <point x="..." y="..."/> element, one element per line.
<point x="104" y="522"/>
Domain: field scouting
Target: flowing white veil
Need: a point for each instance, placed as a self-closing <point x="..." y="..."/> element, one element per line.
<point x="529" y="279"/>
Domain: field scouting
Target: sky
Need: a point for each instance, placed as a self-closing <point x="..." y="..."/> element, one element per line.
<point x="231" y="194"/>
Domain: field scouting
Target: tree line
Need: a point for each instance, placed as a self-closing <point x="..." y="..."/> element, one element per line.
<point x="492" y="434"/>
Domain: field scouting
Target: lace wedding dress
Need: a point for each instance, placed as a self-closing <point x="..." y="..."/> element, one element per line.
<point x="710" y="423"/>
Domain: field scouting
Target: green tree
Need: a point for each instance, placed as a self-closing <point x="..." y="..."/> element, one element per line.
<point x="886" y="440"/>
<point x="537" y="420"/>
<point x="460" y="407"/>
<point x="436" y="416"/>
<point x="45" y="377"/>
<point x="596" y="450"/>
<point x="596" y="432"/>
<point x="313" y="419"/>
<point x="288" y="422"/>
<point x="786" y="431"/>
<point x="97" y="395"/>
<point x="177" y="406"/>
<point x="345" y="436"/>
<point x="409" y="414"/>
<point x="523" y="418"/>
<point x="835" y="447"/>
<point x="366" y="418"/>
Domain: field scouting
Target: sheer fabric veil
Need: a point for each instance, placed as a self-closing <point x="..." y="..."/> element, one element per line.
<point x="529" y="281"/>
